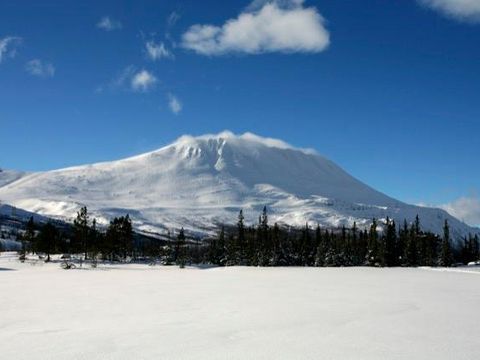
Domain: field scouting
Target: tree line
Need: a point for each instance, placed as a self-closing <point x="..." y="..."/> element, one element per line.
<point x="84" y="237"/>
<point x="382" y="244"/>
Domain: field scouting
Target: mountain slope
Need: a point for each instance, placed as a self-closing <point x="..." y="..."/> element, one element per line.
<point x="8" y="176"/>
<point x="198" y="181"/>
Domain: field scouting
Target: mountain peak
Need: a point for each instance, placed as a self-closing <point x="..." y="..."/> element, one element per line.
<point x="245" y="139"/>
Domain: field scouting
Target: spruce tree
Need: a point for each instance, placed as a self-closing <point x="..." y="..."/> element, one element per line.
<point x="277" y="249"/>
<point x="372" y="250"/>
<point x="180" y="256"/>
<point x="320" y="247"/>
<point x="47" y="239"/>
<point x="390" y="243"/>
<point x="412" y="249"/>
<point x="446" y="258"/>
<point x="241" y="243"/>
<point x="220" y="256"/>
<point x="81" y="230"/>
<point x="28" y="237"/>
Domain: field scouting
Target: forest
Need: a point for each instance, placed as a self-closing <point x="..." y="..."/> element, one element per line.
<point x="383" y="244"/>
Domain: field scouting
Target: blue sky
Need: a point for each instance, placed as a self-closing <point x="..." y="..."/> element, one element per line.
<point x="390" y="90"/>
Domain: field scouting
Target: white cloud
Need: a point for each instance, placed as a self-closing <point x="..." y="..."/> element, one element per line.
<point x="8" y="47"/>
<point x="157" y="51"/>
<point x="108" y="24"/>
<point x="143" y="81"/>
<point x="466" y="208"/>
<point x="464" y="10"/>
<point x="41" y="69"/>
<point x="265" y="26"/>
<point x="174" y="104"/>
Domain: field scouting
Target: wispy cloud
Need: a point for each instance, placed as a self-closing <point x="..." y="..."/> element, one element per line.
<point x="39" y="68"/>
<point x="108" y="24"/>
<point x="130" y="79"/>
<point x="8" y="47"/>
<point x="143" y="81"/>
<point x="264" y="26"/>
<point x="463" y="10"/>
<point x="157" y="51"/>
<point x="172" y="19"/>
<point x="174" y="104"/>
<point x="466" y="208"/>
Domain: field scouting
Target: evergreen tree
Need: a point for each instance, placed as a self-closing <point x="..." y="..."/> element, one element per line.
<point x="446" y="258"/>
<point x="126" y="235"/>
<point x="412" y="250"/>
<point x="401" y="249"/>
<point x="94" y="241"/>
<point x="277" y="249"/>
<point x="81" y="230"/>
<point x="320" y="252"/>
<point x="241" y="255"/>
<point x="180" y="256"/>
<point x="390" y="243"/>
<point x="28" y="237"/>
<point x="118" y="241"/>
<point x="264" y="247"/>
<point x="47" y="239"/>
<point x="306" y="245"/>
<point x="231" y="251"/>
<point x="330" y="253"/>
<point x="372" y="250"/>
<point x="417" y="225"/>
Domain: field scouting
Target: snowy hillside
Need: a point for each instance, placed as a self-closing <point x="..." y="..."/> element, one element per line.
<point x="8" y="176"/>
<point x="197" y="182"/>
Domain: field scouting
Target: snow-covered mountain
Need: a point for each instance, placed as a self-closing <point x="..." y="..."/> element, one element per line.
<point x="198" y="182"/>
<point x="8" y="176"/>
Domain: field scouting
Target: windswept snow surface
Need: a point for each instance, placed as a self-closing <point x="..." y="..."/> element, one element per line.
<point x="198" y="182"/>
<point x="8" y="176"/>
<point x="140" y="312"/>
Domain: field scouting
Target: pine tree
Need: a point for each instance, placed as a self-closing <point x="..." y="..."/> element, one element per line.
<point x="372" y="250"/>
<point x="446" y="258"/>
<point x="126" y="235"/>
<point x="47" y="239"/>
<point x="231" y="251"/>
<point x="309" y="250"/>
<point x="180" y="257"/>
<point x="262" y="253"/>
<point x="220" y="256"/>
<point x="277" y="249"/>
<point x="417" y="225"/>
<point x="95" y="238"/>
<point x="241" y="243"/>
<point x="412" y="250"/>
<point x="390" y="243"/>
<point x="320" y="247"/>
<point x="81" y="230"/>
<point x="28" y="237"/>
<point x="401" y="248"/>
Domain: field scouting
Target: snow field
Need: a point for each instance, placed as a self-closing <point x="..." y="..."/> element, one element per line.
<point x="142" y="312"/>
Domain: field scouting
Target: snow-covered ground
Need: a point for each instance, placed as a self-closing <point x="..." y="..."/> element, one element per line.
<point x="142" y="312"/>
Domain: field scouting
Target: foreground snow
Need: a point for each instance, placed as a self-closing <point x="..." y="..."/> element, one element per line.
<point x="142" y="312"/>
